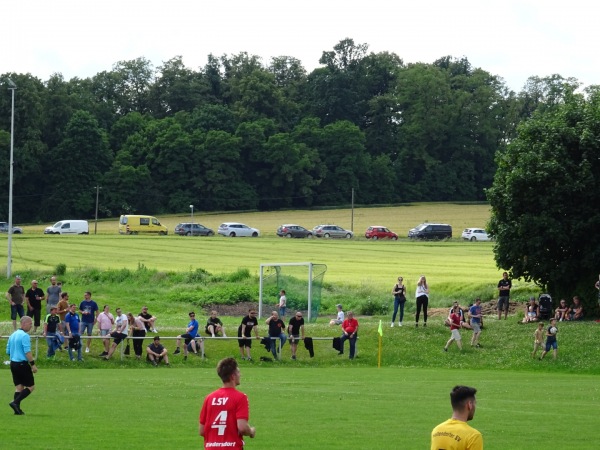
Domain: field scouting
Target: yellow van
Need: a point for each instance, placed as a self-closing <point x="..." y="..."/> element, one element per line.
<point x="132" y="224"/>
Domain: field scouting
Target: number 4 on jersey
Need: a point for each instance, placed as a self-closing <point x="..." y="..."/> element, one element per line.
<point x="220" y="423"/>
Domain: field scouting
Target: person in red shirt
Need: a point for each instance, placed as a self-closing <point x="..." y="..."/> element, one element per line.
<point x="350" y="332"/>
<point x="225" y="412"/>
<point x="454" y="327"/>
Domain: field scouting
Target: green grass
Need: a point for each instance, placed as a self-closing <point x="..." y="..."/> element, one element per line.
<point x="321" y="408"/>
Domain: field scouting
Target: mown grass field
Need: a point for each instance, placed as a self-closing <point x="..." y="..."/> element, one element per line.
<point x="322" y="408"/>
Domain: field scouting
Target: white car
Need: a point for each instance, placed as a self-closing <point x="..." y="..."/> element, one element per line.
<point x="475" y="234"/>
<point x="235" y="229"/>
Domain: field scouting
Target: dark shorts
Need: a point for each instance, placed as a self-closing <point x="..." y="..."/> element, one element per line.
<point x="502" y="303"/>
<point x="188" y="338"/>
<point x="550" y="345"/>
<point x="294" y="339"/>
<point x="118" y="337"/>
<point x="16" y="309"/>
<point x="245" y="342"/>
<point x="22" y="373"/>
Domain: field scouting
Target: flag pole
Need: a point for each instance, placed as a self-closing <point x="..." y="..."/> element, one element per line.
<point x="380" y="331"/>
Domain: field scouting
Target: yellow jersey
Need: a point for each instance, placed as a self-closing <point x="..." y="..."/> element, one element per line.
<point x="455" y="435"/>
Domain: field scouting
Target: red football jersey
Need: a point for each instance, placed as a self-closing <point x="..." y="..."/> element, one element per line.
<point x="219" y="415"/>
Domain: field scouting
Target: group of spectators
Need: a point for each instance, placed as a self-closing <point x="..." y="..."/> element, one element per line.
<point x="563" y="312"/>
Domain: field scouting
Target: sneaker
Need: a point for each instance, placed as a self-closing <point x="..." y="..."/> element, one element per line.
<point x="154" y="330"/>
<point x="425" y="324"/>
<point x="340" y="353"/>
<point x="293" y="356"/>
<point x="392" y="326"/>
<point x="185" y="358"/>
<point x="154" y="364"/>
<point x="177" y="351"/>
<point x="249" y="359"/>
<point x="103" y="353"/>
<point x="445" y="349"/>
<point x="416" y="325"/>
<point x="399" y="324"/>
<point x="87" y="350"/>
<point x="16" y="409"/>
<point x="80" y="359"/>
<point x="243" y="358"/>
<point x="478" y="345"/>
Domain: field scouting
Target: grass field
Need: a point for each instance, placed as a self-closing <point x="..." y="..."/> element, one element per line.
<point x="327" y="402"/>
<point x="322" y="408"/>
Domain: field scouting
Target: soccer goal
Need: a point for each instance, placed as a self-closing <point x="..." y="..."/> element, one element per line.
<point x="302" y="282"/>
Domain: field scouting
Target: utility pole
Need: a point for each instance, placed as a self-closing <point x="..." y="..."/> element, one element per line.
<point x="12" y="88"/>
<point x="96" y="221"/>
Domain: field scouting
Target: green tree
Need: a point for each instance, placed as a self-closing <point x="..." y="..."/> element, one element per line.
<point x="79" y="163"/>
<point x="545" y="198"/>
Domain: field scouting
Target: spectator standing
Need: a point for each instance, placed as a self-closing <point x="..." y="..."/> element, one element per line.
<point x="538" y="338"/>
<point x="214" y="326"/>
<point x="339" y="318"/>
<point x="455" y="433"/>
<point x="63" y="309"/>
<point x="73" y="324"/>
<point x="53" y="294"/>
<point x="504" y="287"/>
<point x="296" y="331"/>
<point x="551" y="342"/>
<point x="399" y="293"/>
<point x="157" y="353"/>
<point x="51" y="330"/>
<point x="89" y="314"/>
<point x="475" y="315"/>
<point x="105" y="324"/>
<point x="249" y="322"/>
<point x="22" y="364"/>
<point x="148" y="320"/>
<point x="349" y="332"/>
<point x="121" y="332"/>
<point x="138" y="330"/>
<point x="189" y="337"/>
<point x="16" y="298"/>
<point x="422" y="295"/>
<point x="276" y="330"/>
<point x="454" y="329"/>
<point x="225" y="412"/>
<point x="282" y="303"/>
<point x="35" y="296"/>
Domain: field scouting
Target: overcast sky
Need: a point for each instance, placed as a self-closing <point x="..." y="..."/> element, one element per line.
<point x="511" y="39"/>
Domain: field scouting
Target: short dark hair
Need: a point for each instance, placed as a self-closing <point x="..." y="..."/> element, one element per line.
<point x="226" y="368"/>
<point x="459" y="396"/>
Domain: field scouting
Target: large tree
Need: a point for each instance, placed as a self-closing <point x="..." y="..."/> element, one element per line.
<point x="545" y="198"/>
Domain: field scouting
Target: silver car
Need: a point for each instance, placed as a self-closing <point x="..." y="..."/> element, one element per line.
<point x="332" y="231"/>
<point x="4" y="228"/>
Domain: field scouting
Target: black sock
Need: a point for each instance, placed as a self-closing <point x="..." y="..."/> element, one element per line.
<point x="22" y="396"/>
<point x="16" y="395"/>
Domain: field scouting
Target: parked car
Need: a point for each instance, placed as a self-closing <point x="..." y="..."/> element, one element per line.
<point x="475" y="234"/>
<point x="291" y="230"/>
<point x="68" y="226"/>
<point x="134" y="224"/>
<point x="332" y="231"/>
<point x="378" y="232"/>
<point x="431" y="231"/>
<point x="193" y="229"/>
<point x="235" y="229"/>
<point x="4" y="228"/>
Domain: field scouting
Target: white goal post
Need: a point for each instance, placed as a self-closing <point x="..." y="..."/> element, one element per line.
<point x="309" y="275"/>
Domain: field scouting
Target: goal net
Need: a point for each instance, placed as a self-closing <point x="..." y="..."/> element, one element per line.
<point x="302" y="283"/>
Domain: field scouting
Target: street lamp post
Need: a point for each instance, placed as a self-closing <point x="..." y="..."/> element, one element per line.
<point x="12" y="88"/>
<point x="192" y="208"/>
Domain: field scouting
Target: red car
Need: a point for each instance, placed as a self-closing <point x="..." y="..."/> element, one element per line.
<point x="378" y="232"/>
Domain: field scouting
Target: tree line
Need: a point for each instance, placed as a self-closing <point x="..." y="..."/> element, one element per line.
<point x="239" y="134"/>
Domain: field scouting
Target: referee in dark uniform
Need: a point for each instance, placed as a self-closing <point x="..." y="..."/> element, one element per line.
<point x="22" y="364"/>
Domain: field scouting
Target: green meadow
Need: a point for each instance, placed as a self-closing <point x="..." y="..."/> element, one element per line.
<point x="325" y="402"/>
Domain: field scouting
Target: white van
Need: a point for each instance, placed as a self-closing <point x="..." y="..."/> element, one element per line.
<point x="68" y="227"/>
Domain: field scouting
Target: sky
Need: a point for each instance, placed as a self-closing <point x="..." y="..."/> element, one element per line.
<point x="511" y="39"/>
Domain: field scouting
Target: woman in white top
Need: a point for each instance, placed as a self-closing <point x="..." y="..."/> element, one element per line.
<point x="340" y="316"/>
<point x="422" y="295"/>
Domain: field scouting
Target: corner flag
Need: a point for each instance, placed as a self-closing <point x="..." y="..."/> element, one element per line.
<point x="380" y="331"/>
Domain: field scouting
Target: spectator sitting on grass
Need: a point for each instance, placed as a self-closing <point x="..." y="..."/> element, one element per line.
<point x="340" y="316"/>
<point x="532" y="311"/>
<point x="561" y="310"/>
<point x="576" y="310"/>
<point x="156" y="352"/>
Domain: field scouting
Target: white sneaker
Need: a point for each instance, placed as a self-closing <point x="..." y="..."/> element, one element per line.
<point x="392" y="324"/>
<point x="399" y="324"/>
<point x="154" y="330"/>
<point x="87" y="350"/>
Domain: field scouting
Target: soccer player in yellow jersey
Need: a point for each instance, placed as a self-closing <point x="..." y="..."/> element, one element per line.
<point x="455" y="433"/>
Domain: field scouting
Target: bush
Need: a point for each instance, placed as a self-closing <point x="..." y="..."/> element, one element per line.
<point x="373" y="307"/>
<point x="60" y="269"/>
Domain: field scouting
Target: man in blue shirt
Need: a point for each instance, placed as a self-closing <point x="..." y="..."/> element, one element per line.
<point x="72" y="323"/>
<point x="22" y="364"/>
<point x="89" y="313"/>
<point x="475" y="315"/>
<point x="190" y="337"/>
